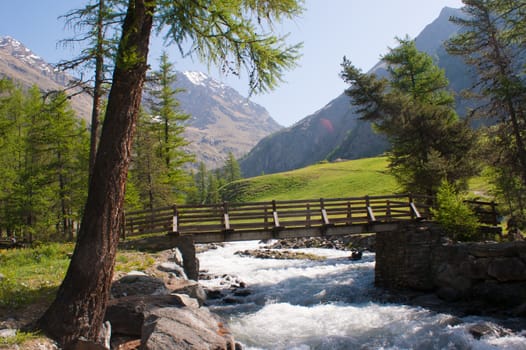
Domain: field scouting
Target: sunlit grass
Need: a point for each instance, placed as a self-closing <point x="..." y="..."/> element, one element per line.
<point x="354" y="178"/>
<point x="32" y="274"/>
<point x="130" y="260"/>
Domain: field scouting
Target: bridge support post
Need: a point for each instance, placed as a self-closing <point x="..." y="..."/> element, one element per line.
<point x="403" y="256"/>
<point x="186" y="246"/>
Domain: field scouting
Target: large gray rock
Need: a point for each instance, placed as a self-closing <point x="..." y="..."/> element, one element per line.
<point x="193" y="290"/>
<point x="137" y="284"/>
<point x="172" y="267"/>
<point x="168" y="322"/>
<point x="184" y="328"/>
<point x="127" y="314"/>
<point x="7" y="333"/>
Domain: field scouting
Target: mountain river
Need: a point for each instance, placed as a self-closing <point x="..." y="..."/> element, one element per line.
<point x="329" y="304"/>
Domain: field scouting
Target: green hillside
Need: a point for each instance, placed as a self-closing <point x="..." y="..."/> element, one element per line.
<point x="368" y="176"/>
<point x="353" y="178"/>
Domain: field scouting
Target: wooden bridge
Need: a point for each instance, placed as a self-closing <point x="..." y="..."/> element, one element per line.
<point x="289" y="219"/>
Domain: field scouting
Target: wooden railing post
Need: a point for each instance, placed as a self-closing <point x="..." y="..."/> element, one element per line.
<point x="349" y="213"/>
<point x="265" y="217"/>
<point x="131" y="226"/>
<point x="123" y="232"/>
<point x="308" y="216"/>
<point x="415" y="214"/>
<point x="370" y="212"/>
<point x="388" y="210"/>
<point x="494" y="213"/>
<point x="275" y="214"/>
<point x="324" y="216"/>
<point x="175" y="219"/>
<point x="226" y="219"/>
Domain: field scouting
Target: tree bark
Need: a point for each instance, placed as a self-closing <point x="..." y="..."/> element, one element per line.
<point x="97" y="89"/>
<point x="80" y="304"/>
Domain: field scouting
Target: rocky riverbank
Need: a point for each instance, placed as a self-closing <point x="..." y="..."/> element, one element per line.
<point x="156" y="308"/>
<point x="162" y="309"/>
<point x="351" y="242"/>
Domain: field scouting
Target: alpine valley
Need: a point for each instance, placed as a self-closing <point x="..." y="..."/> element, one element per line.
<point x="221" y="121"/>
<point x="336" y="131"/>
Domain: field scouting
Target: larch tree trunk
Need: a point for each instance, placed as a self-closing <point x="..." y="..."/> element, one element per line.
<point x="97" y="89"/>
<point x="80" y="304"/>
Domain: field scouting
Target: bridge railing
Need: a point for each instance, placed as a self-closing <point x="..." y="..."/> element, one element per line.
<point x="270" y="215"/>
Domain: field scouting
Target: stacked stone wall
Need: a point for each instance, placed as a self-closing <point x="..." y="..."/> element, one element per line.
<point x="416" y="257"/>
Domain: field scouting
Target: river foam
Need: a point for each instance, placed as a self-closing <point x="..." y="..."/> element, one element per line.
<point x="330" y="304"/>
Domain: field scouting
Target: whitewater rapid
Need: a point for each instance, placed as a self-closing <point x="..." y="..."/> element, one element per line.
<point x="329" y="304"/>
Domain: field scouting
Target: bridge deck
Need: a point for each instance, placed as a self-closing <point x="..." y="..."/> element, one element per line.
<point x="278" y="219"/>
<point x="286" y="219"/>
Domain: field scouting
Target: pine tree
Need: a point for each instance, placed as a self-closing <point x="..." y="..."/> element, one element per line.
<point x="212" y="191"/>
<point x="44" y="184"/>
<point x="231" y="170"/>
<point x="201" y="184"/>
<point x="148" y="169"/>
<point x="67" y="144"/>
<point x="169" y="122"/>
<point x="416" y="113"/>
<point x="492" y="41"/>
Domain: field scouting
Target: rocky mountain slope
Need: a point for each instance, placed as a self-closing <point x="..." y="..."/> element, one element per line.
<point x="19" y="64"/>
<point x="222" y="120"/>
<point x="335" y="131"/>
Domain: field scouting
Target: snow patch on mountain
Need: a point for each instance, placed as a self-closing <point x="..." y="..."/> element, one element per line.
<point x="196" y="78"/>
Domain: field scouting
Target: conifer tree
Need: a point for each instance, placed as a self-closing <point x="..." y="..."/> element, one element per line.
<point x="212" y="192"/>
<point x="231" y="170"/>
<point x="416" y="113"/>
<point x="492" y="41"/>
<point x="44" y="184"/>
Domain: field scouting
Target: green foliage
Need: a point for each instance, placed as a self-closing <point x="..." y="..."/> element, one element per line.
<point x="416" y="113"/>
<point x="231" y="171"/>
<point x="233" y="35"/>
<point x="19" y="339"/>
<point x="454" y="215"/>
<point x="157" y="176"/>
<point x="44" y="162"/>
<point x="492" y="42"/>
<point x="209" y="185"/>
<point x="129" y="261"/>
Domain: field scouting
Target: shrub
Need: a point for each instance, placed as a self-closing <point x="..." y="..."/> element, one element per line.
<point x="454" y="215"/>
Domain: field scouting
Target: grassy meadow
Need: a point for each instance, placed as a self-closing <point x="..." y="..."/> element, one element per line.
<point x="368" y="176"/>
<point x="353" y="178"/>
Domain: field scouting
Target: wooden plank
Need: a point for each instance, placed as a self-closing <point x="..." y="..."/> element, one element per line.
<point x="276" y="219"/>
<point x="325" y="217"/>
<point x="226" y="221"/>
<point x="370" y="214"/>
<point x="414" y="210"/>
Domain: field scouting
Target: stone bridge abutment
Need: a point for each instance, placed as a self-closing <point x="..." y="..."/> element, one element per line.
<point x="416" y="257"/>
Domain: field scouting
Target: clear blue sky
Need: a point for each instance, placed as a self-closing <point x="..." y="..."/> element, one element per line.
<point x="362" y="30"/>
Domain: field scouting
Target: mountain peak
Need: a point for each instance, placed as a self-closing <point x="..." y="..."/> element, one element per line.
<point x="19" y="51"/>
<point x="201" y="79"/>
<point x="196" y="78"/>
